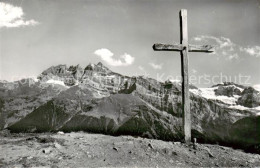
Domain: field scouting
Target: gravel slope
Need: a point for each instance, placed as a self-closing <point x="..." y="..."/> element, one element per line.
<point x="96" y="150"/>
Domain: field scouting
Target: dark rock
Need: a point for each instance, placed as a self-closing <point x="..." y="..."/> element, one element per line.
<point x="32" y="138"/>
<point x="249" y="98"/>
<point x="99" y="64"/>
<point x="210" y="154"/>
<point x="150" y="145"/>
<point x="115" y="148"/>
<point x="45" y="139"/>
<point x="90" y="67"/>
<point x="46" y="151"/>
<point x="229" y="91"/>
<point x="174" y="153"/>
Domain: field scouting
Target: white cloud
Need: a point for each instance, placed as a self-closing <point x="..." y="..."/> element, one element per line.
<point x="197" y="38"/>
<point x="107" y="56"/>
<point x="141" y="68"/>
<point x="225" y="42"/>
<point x="225" y="48"/>
<point x="233" y="56"/>
<point x="253" y="51"/>
<point x="12" y="16"/>
<point x="155" y="66"/>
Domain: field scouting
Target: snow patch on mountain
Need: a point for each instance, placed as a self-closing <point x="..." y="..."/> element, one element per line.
<point x="257" y="108"/>
<point x="110" y="76"/>
<point x="35" y="79"/>
<point x="176" y="81"/>
<point x="239" y="107"/>
<point x="56" y="82"/>
<point x="209" y="93"/>
<point x="257" y="87"/>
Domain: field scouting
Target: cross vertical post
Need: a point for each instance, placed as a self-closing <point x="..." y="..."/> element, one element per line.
<point x="185" y="76"/>
<point x="184" y="47"/>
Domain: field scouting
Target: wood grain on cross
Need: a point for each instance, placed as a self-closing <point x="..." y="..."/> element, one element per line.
<point x="184" y="48"/>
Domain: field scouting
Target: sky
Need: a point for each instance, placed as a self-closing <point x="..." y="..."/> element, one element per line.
<point x="37" y="34"/>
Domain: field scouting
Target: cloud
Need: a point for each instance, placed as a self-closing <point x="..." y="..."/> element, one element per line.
<point x="197" y="38"/>
<point x="225" y="48"/>
<point x="12" y="16"/>
<point x="141" y="68"/>
<point x="155" y="66"/>
<point x="107" y="56"/>
<point x="233" y="56"/>
<point x="253" y="51"/>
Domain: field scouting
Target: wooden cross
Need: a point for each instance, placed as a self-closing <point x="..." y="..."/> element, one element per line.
<point x="184" y="48"/>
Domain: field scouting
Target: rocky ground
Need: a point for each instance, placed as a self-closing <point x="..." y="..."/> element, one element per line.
<point x="96" y="150"/>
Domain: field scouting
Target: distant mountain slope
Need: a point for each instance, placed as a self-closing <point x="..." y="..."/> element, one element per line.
<point x="95" y="99"/>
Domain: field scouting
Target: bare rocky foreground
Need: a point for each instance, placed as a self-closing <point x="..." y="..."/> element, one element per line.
<point x="96" y="150"/>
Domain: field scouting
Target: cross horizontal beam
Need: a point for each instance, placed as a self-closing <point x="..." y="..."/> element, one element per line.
<point x="179" y="47"/>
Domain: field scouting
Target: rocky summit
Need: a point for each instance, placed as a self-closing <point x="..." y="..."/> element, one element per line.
<point x="96" y="99"/>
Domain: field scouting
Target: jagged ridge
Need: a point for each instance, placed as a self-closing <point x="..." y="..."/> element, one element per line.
<point x="96" y="99"/>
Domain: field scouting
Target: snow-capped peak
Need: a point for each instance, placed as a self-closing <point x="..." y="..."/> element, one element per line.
<point x="257" y="87"/>
<point x="209" y="93"/>
<point x="57" y="82"/>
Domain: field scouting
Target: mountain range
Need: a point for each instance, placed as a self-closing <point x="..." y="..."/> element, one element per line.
<point x="96" y="99"/>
